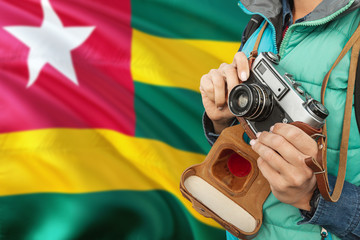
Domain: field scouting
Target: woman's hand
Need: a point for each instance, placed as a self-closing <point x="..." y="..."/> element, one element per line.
<point x="282" y="154"/>
<point x="217" y="84"/>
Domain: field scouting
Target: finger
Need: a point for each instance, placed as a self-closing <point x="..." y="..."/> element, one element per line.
<point x="298" y="138"/>
<point x="271" y="157"/>
<point x="242" y="66"/>
<point x="281" y="145"/>
<point x="267" y="171"/>
<point x="219" y="88"/>
<point x="230" y="74"/>
<point x="207" y="87"/>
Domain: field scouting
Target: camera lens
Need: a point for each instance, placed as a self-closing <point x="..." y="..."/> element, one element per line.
<point x="243" y="100"/>
<point x="251" y="101"/>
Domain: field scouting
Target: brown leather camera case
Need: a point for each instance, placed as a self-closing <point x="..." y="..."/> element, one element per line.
<point x="248" y="192"/>
<point x="215" y="192"/>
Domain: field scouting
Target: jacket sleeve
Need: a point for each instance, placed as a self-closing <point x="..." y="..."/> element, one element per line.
<point x="209" y="129"/>
<point x="341" y="218"/>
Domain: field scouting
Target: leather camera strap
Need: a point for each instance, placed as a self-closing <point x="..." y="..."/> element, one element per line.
<point x="320" y="166"/>
<point x="254" y="52"/>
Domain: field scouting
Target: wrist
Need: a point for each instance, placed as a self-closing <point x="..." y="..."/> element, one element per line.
<point x="221" y="125"/>
<point x="313" y="204"/>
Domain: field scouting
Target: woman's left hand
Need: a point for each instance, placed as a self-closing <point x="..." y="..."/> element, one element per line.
<point x="282" y="154"/>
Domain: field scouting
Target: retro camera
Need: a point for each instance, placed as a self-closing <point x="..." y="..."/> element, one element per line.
<point x="271" y="95"/>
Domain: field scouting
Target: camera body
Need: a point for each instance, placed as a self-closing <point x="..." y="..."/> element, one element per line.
<point x="271" y="95"/>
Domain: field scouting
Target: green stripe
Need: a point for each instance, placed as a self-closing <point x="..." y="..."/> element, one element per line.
<point x="171" y="115"/>
<point x="212" y="19"/>
<point x="103" y="215"/>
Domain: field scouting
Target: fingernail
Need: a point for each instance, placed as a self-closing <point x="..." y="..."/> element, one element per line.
<point x="243" y="76"/>
<point x="258" y="134"/>
<point x="220" y="108"/>
<point x="252" y="142"/>
<point x="272" y="128"/>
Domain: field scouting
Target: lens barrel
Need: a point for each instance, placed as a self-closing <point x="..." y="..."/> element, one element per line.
<point x="251" y="101"/>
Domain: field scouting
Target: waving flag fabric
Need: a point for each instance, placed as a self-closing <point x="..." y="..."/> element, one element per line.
<point x="100" y="113"/>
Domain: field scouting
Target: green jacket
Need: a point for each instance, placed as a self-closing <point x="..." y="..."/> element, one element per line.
<point x="308" y="51"/>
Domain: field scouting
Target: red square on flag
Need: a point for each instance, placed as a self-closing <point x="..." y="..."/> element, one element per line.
<point x="66" y="64"/>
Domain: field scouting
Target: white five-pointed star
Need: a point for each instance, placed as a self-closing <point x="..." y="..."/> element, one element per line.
<point x="51" y="43"/>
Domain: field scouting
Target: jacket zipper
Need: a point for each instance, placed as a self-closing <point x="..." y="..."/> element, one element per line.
<point x="318" y="22"/>
<point x="270" y="24"/>
<point x="323" y="234"/>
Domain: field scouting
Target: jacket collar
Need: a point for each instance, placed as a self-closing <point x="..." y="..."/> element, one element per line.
<point x="272" y="9"/>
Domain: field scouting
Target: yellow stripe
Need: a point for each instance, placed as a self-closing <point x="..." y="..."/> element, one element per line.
<point x="176" y="63"/>
<point x="90" y="160"/>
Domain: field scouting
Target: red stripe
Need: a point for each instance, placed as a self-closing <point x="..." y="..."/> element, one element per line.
<point x="105" y="95"/>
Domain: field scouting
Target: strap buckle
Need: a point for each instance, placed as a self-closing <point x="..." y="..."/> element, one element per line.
<point x="316" y="136"/>
<point x="323" y="171"/>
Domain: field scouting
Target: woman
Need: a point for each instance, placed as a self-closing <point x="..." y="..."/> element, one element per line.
<point x="308" y="35"/>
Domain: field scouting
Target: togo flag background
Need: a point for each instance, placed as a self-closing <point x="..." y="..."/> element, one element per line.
<point x="100" y="113"/>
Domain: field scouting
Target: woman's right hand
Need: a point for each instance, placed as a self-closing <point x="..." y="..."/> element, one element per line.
<point x="216" y="86"/>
